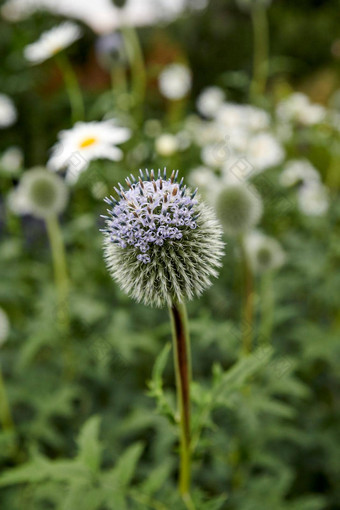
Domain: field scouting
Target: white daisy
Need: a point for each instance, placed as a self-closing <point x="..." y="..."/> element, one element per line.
<point x="103" y="16"/>
<point x="175" y="81"/>
<point x="87" y="141"/>
<point x="8" y="113"/>
<point x="264" y="151"/>
<point x="209" y="101"/>
<point x="52" y="42"/>
<point x="313" y="199"/>
<point x="297" y="171"/>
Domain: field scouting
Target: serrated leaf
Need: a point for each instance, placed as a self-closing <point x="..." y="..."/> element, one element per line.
<point x="90" y="448"/>
<point x="122" y="473"/>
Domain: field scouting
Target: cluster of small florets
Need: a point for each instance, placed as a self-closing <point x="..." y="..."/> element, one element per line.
<point x="151" y="211"/>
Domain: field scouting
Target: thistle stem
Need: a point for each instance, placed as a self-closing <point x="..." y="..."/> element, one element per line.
<point x="182" y="362"/>
<point x="137" y="66"/>
<point x="72" y="87"/>
<point x="6" y="419"/>
<point x="261" y="49"/>
<point x="248" y="302"/>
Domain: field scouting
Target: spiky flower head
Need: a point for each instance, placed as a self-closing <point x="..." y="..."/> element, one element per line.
<point x="265" y="253"/>
<point x="41" y="194"/>
<point x="162" y="244"/>
<point x="239" y="208"/>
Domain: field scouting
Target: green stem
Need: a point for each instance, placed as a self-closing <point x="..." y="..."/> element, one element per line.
<point x="261" y="49"/>
<point x="72" y="87"/>
<point x="62" y="285"/>
<point x="137" y="66"/>
<point x="182" y="362"/>
<point x="267" y="308"/>
<point x="5" y="412"/>
<point x="333" y="171"/>
<point x="248" y="302"/>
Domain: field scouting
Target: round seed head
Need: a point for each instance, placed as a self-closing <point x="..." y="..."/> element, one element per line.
<point x="43" y="193"/>
<point x="161" y="243"/>
<point x="239" y="208"/>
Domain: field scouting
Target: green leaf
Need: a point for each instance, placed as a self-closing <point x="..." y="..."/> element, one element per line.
<point x="122" y="474"/>
<point x="90" y="448"/>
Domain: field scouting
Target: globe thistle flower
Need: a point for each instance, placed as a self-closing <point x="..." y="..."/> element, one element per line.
<point x="4" y="326"/>
<point x="40" y="193"/>
<point x="52" y="42"/>
<point x="85" y="142"/>
<point x="239" y="208"/>
<point x="264" y="252"/>
<point x="8" y="113"/>
<point x="162" y="244"/>
<point x="175" y="81"/>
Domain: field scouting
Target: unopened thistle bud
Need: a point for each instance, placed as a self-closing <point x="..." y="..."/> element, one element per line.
<point x="239" y="208"/>
<point x="264" y="253"/>
<point x="41" y="194"/>
<point x="162" y="244"/>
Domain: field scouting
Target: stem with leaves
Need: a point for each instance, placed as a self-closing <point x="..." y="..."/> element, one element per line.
<point x="248" y="301"/>
<point x="137" y="66"/>
<point x="182" y="362"/>
<point x="6" y="419"/>
<point x="72" y="87"/>
<point x="61" y="283"/>
<point x="267" y="308"/>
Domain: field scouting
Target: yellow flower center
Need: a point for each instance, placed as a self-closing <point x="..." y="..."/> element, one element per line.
<point x="87" y="142"/>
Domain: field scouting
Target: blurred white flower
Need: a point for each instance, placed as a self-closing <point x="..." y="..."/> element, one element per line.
<point x="213" y="155"/>
<point x="257" y="119"/>
<point x="52" y="42"/>
<point x="103" y="16"/>
<point x="11" y="160"/>
<point x="205" y="179"/>
<point x="264" y="151"/>
<point x="87" y="141"/>
<point x="239" y="116"/>
<point x="264" y="252"/>
<point x="4" y="326"/>
<point x="298" y="108"/>
<point x="231" y="116"/>
<point x="313" y="199"/>
<point x="210" y="100"/>
<point x="166" y="144"/>
<point x="175" y="81"/>
<point x="8" y="113"/>
<point x="298" y="171"/>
